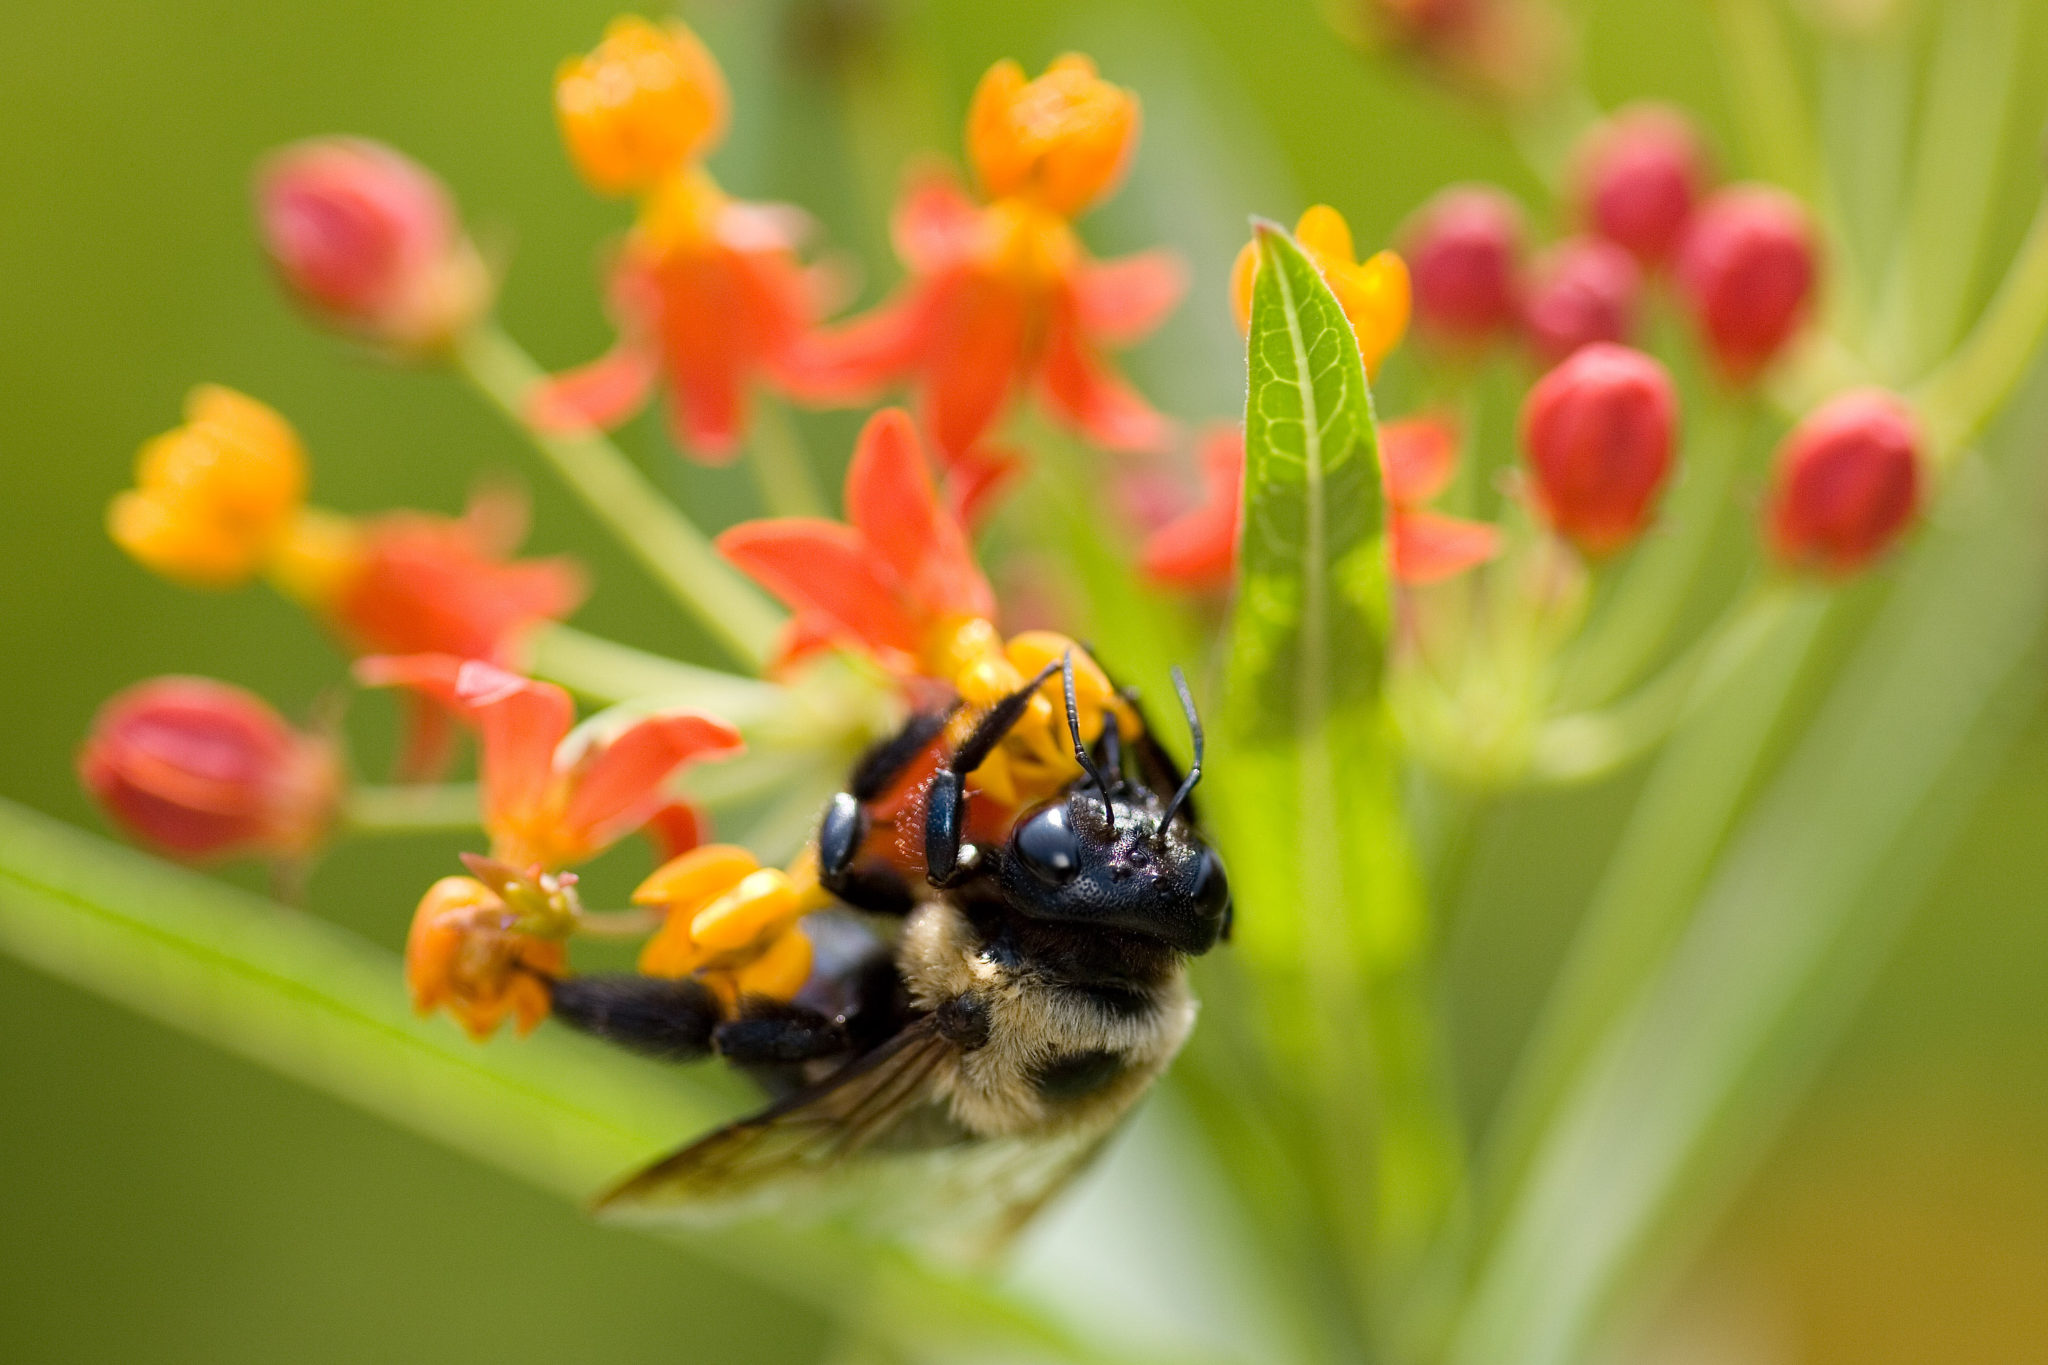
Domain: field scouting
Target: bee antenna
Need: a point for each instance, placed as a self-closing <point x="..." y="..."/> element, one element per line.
<point x="1080" y="749"/>
<point x="1187" y="786"/>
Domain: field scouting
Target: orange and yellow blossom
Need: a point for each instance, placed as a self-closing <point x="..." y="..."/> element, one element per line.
<point x="731" y="922"/>
<point x="708" y="292"/>
<point x="467" y="953"/>
<point x="1002" y="296"/>
<point x="1374" y="293"/>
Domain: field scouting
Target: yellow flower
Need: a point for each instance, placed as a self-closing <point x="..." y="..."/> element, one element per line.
<point x="214" y="498"/>
<point x="1062" y="140"/>
<point x="731" y="922"/>
<point x="1373" y="293"/>
<point x="463" y="954"/>
<point x="649" y="99"/>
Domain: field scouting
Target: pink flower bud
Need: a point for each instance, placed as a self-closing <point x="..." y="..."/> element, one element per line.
<point x="1846" y="482"/>
<point x="1746" y="272"/>
<point x="369" y="242"/>
<point x="1639" y="176"/>
<point x="1464" y="251"/>
<point x="1597" y="432"/>
<point x="199" y="769"/>
<point x="1582" y="291"/>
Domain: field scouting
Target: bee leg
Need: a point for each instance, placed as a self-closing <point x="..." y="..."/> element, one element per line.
<point x="844" y="827"/>
<point x="770" y="1032"/>
<point x="945" y="816"/>
<point x="670" y="1020"/>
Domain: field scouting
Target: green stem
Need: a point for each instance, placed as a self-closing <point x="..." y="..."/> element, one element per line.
<point x="1763" y="87"/>
<point x="781" y="467"/>
<point x="373" y="809"/>
<point x="1960" y="397"/>
<point x="606" y="672"/>
<point x="666" y="543"/>
<point x="1865" y="96"/>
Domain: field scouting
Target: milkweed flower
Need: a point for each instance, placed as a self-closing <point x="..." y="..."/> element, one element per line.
<point x="1002" y="296"/>
<point x="368" y="241"/>
<point x="731" y="922"/>
<point x="202" y="770"/>
<point x="1746" y="272"/>
<point x="1197" y="551"/>
<point x="1581" y="291"/>
<point x="898" y="582"/>
<point x="1598" y="434"/>
<point x="467" y="952"/>
<point x="216" y="497"/>
<point x="708" y="292"/>
<point x="1846" y="483"/>
<point x="1374" y="294"/>
<point x="547" y="804"/>
<point x="1638" y="177"/>
<point x="1464" y="250"/>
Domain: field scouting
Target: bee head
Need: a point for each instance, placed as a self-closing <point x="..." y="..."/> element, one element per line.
<point x="1116" y="855"/>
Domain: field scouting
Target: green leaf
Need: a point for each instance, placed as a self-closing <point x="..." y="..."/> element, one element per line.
<point x="1331" y="917"/>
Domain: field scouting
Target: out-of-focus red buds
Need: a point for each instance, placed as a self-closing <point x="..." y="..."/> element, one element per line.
<point x="368" y="241"/>
<point x="199" y="770"/>
<point x="1639" y="176"/>
<point x="1598" y="433"/>
<point x="1846" y="483"/>
<point x="1581" y="291"/>
<point x="1464" y="251"/>
<point x="1747" y="271"/>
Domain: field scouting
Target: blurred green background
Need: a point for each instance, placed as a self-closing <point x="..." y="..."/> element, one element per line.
<point x="163" y="1202"/>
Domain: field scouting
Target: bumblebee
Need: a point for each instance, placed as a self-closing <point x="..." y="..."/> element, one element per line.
<point x="976" y="1053"/>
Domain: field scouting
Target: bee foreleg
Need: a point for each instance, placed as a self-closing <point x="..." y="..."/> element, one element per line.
<point x="671" y="1020"/>
<point x="769" y="1031"/>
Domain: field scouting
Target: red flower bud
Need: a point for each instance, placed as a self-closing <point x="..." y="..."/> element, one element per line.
<point x="1639" y="176"/>
<point x="1597" y="432"/>
<point x="369" y="241"/>
<point x="1463" y="251"/>
<point x="1846" y="482"/>
<point x="199" y="769"/>
<point x="1581" y="291"/>
<point x="1747" y="271"/>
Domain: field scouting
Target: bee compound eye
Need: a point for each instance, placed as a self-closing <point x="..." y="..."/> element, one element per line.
<point x="1211" y="889"/>
<point x="1046" y="843"/>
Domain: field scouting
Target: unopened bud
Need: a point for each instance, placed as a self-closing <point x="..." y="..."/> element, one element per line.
<point x="200" y="769"/>
<point x="369" y="242"/>
<point x="1747" y="272"/>
<point x="1598" y="434"/>
<point x="1581" y="291"/>
<point x="1464" y="257"/>
<point x="1639" y="176"/>
<point x="1846" y="483"/>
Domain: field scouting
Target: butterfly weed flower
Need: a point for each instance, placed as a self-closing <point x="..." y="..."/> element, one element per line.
<point x="468" y="953"/>
<point x="1375" y="293"/>
<point x="1598" y="433"/>
<point x="1464" y="252"/>
<point x="709" y="293"/>
<point x="1846" y="483"/>
<point x="731" y="922"/>
<point x="548" y="804"/>
<point x="202" y="770"/>
<point x="1747" y="272"/>
<point x="1002" y="297"/>
<point x="368" y="241"/>
<point x="1581" y="291"/>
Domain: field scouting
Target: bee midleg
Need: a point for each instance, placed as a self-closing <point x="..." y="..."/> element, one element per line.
<point x="771" y="1031"/>
<point x="671" y="1020"/>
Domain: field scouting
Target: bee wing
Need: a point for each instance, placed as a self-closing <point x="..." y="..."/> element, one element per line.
<point x="870" y="1145"/>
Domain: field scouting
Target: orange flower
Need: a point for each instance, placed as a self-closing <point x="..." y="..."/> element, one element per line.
<point x="708" y="292"/>
<point x="214" y="498"/>
<point x="897" y="581"/>
<point x="1373" y="293"/>
<point x="732" y="922"/>
<point x="1003" y="297"/>
<point x="545" y="807"/>
<point x="466" y="951"/>
<point x="1197" y="551"/>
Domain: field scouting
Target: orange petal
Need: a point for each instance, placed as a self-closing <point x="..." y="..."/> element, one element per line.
<point x="1117" y="302"/>
<point x="690" y="880"/>
<point x="1090" y="395"/>
<point x="520" y="722"/>
<point x="935" y="226"/>
<point x="1430" y="547"/>
<point x="763" y="903"/>
<point x="1418" y="457"/>
<point x="826" y="573"/>
<point x="1198" y="550"/>
<point x="622" y="784"/>
<point x="976" y="478"/>
<point x="974" y="347"/>
<point x="892" y="502"/>
<point x="602" y="394"/>
<point x="676" y="828"/>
